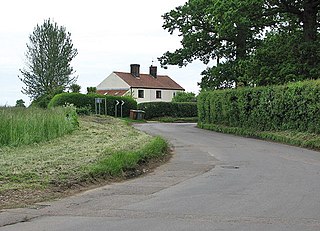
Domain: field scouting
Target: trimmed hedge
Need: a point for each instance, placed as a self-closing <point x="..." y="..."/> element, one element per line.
<point x="85" y="102"/>
<point x="295" y="106"/>
<point x="168" y="109"/>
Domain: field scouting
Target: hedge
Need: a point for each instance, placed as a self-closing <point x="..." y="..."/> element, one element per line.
<point x="85" y="102"/>
<point x="295" y="106"/>
<point x="163" y="109"/>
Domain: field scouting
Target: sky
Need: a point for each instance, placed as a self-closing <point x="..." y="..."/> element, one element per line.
<point x="109" y="36"/>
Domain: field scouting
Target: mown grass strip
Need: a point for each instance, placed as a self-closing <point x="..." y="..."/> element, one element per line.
<point x="301" y="139"/>
<point x="102" y="148"/>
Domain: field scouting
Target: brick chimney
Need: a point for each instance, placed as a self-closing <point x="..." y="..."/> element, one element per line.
<point x="135" y="70"/>
<point x="153" y="71"/>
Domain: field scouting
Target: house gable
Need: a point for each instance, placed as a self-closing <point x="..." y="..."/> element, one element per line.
<point x="113" y="82"/>
<point x="114" y="92"/>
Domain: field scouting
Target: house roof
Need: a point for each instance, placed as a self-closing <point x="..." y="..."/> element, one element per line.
<point x="148" y="81"/>
<point x="112" y="92"/>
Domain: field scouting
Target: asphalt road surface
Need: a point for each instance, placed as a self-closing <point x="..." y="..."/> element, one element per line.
<point x="213" y="182"/>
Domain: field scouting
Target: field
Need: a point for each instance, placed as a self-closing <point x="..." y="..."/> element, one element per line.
<point x="102" y="148"/>
<point x="20" y="126"/>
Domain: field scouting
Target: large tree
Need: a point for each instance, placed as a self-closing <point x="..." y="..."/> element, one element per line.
<point x="302" y="13"/>
<point x="231" y="32"/>
<point x="48" y="57"/>
<point x="224" y="30"/>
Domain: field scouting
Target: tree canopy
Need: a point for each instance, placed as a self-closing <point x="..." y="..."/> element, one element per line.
<point x="75" y="88"/>
<point x="20" y="103"/>
<point x="49" y="53"/>
<point x="242" y="35"/>
<point x="184" y="97"/>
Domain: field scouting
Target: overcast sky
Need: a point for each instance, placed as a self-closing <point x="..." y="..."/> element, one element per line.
<point x="109" y="36"/>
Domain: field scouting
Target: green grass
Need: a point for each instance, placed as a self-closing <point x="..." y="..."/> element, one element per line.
<point x="20" y="126"/>
<point x="129" y="121"/>
<point x="301" y="139"/>
<point x="168" y="119"/>
<point x="119" y="162"/>
<point x="102" y="147"/>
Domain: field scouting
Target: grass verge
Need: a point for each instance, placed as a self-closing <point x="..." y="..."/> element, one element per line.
<point x="301" y="139"/>
<point x="122" y="161"/>
<point x="166" y="119"/>
<point x="176" y="119"/>
<point x="103" y="148"/>
<point x="130" y="121"/>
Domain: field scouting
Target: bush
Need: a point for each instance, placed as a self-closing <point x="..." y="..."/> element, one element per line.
<point x="41" y="102"/>
<point x="85" y="103"/>
<point x="168" y="109"/>
<point x="295" y="106"/>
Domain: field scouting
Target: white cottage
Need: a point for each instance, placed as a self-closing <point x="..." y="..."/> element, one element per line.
<point x="142" y="87"/>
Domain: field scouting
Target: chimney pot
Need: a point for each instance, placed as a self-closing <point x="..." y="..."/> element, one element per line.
<point x="135" y="70"/>
<point x="153" y="71"/>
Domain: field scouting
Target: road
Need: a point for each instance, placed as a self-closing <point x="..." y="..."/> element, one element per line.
<point x="213" y="182"/>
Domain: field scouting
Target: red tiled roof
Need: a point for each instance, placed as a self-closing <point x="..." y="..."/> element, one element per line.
<point x="148" y="81"/>
<point x="112" y="92"/>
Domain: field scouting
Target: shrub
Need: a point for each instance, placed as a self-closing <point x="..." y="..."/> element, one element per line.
<point x="84" y="103"/>
<point x="295" y="106"/>
<point x="41" y="102"/>
<point x="168" y="109"/>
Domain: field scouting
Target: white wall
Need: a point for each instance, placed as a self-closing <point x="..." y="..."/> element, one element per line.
<point x="113" y="82"/>
<point x="150" y="95"/>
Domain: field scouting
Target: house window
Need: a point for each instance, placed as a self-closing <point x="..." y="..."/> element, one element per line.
<point x="158" y="94"/>
<point x="140" y="93"/>
<point x="174" y="94"/>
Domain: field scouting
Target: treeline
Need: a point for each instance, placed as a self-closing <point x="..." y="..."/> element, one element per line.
<point x="252" y="42"/>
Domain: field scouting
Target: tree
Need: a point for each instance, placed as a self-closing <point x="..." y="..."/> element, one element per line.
<point x="217" y="29"/>
<point x="272" y="64"/>
<point x="304" y="12"/>
<point x="20" y="103"/>
<point x="233" y="34"/>
<point x="75" y="88"/>
<point x="301" y="15"/>
<point x="91" y="90"/>
<point x="49" y="53"/>
<point x="184" y="97"/>
<point x="220" y="77"/>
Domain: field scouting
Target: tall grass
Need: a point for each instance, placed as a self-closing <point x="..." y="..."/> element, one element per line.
<point x="19" y="126"/>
